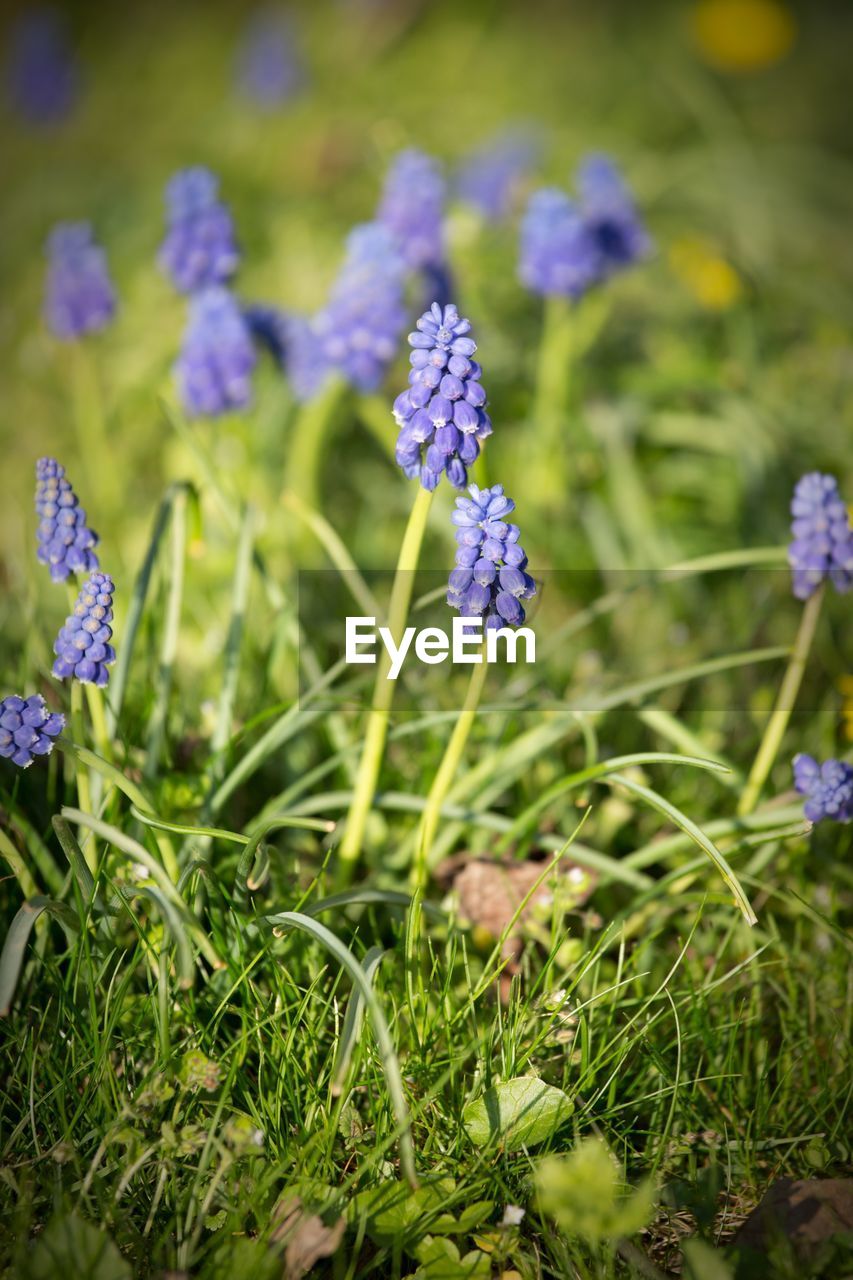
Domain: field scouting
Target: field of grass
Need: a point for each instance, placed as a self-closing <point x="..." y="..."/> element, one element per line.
<point x="231" y="1049"/>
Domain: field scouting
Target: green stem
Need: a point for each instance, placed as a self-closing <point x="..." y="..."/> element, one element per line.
<point x="383" y="692"/>
<point x="97" y="714"/>
<point x="308" y="439"/>
<point x="550" y="404"/>
<point x="778" y="722"/>
<point x="169" y="642"/>
<point x="447" y="772"/>
<point x="89" y="417"/>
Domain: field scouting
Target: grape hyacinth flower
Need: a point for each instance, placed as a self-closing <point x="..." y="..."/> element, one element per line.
<point x="42" y="75"/>
<point x="79" y="296"/>
<point x="268" y="68"/>
<point x="611" y="216"/>
<point x="489" y="177"/>
<point x="359" y="328"/>
<point x="83" y="650"/>
<point x="217" y="358"/>
<point x="269" y="327"/>
<point x="27" y="728"/>
<point x="822" y="545"/>
<point x="65" y="541"/>
<point x="442" y="416"/>
<point x="199" y="249"/>
<point x="490" y="579"/>
<point x="559" y="254"/>
<point x="828" y="788"/>
<point x="306" y="363"/>
<point x="412" y="208"/>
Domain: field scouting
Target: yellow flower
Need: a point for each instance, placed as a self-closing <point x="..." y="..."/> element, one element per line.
<point x="740" y="36"/>
<point x="712" y="280"/>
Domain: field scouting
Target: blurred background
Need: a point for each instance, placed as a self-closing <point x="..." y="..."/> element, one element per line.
<point x="719" y="369"/>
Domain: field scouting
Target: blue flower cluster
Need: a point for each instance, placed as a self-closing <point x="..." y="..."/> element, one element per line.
<point x="305" y="359"/>
<point x="412" y="208"/>
<point x="217" y="357"/>
<point x="83" y="650"/>
<point x="489" y="580"/>
<point x="27" y="728"/>
<point x="65" y="541"/>
<point x="268" y="69"/>
<point x="358" y="330"/>
<point x="270" y="328"/>
<point x="442" y="416"/>
<point x="199" y="249"/>
<point x="79" y="296"/>
<point x="567" y="248"/>
<point x="822" y="545"/>
<point x="489" y="177"/>
<point x="828" y="786"/>
<point x="43" y="78"/>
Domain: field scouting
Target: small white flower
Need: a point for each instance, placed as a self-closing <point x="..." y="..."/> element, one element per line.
<point x="513" y="1215"/>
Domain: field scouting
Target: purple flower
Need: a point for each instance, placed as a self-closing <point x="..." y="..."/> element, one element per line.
<point x="489" y="177"/>
<point x="412" y="208"/>
<point x="216" y="362"/>
<point x="566" y="248"/>
<point x="65" y="541"/>
<point x="490" y="578"/>
<point x="27" y="728"/>
<point x="268" y="67"/>
<point x="828" y="786"/>
<point x="442" y="416"/>
<point x="822" y="545"/>
<point x="42" y="76"/>
<point x="199" y="249"/>
<point x="610" y="214"/>
<point x="358" y="330"/>
<point x="269" y="327"/>
<point x="559" y="254"/>
<point x="306" y="363"/>
<point x="83" y="650"/>
<point x="79" y="296"/>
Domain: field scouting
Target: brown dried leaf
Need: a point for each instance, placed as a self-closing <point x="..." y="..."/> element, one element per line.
<point x="808" y="1211"/>
<point x="308" y="1238"/>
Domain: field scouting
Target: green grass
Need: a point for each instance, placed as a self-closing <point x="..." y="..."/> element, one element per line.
<point x="198" y="1030"/>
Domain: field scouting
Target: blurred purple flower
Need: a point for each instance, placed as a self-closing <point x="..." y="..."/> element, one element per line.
<point x="306" y="363"/>
<point x="200" y="248"/>
<point x="558" y="251"/>
<point x="490" y="578"/>
<point x="27" y="728"/>
<point x="269" y="327"/>
<point x="65" y="542"/>
<point x="828" y="788"/>
<point x="83" y="650"/>
<point x="268" y="69"/>
<point x="412" y="208"/>
<point x="822" y="545"/>
<point x="217" y="358"/>
<point x="489" y="177"/>
<point x="442" y="416"/>
<point x="41" y="71"/>
<point x="79" y="295"/>
<point x="610" y="214"/>
<point x="358" y="331"/>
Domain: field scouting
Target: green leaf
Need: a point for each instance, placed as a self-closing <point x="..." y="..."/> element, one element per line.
<point x="704" y="1262"/>
<point x="583" y="1193"/>
<point x="395" y="1213"/>
<point x="517" y="1113"/>
<point x="71" y="1246"/>
<point x="440" y="1260"/>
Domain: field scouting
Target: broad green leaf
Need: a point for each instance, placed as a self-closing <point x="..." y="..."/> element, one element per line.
<point x="517" y="1113"/>
<point x="583" y="1193"/>
<point x="704" y="1262"/>
<point x="394" y="1212"/>
<point x="71" y="1246"/>
<point x="440" y="1260"/>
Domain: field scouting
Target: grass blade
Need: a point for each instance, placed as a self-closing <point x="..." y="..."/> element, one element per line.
<point x="296" y="920"/>
<point x="12" y="955"/>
